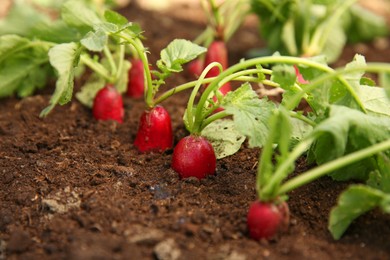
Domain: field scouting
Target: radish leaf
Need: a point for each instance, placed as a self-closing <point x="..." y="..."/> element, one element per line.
<point x="348" y="130"/>
<point x="23" y="65"/>
<point x="354" y="202"/>
<point x="375" y="100"/>
<point x="284" y="75"/>
<point x="64" y="58"/>
<point x="95" y="41"/>
<point x="250" y="113"/>
<point x="179" y="52"/>
<point x="77" y="15"/>
<point x="224" y="137"/>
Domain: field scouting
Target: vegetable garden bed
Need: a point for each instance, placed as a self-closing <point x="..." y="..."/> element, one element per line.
<point x="72" y="187"/>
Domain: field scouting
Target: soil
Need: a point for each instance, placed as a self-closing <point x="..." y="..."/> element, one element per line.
<point x="75" y="188"/>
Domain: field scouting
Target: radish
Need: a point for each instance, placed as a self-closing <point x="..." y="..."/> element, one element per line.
<point x="195" y="67"/>
<point x="154" y="131"/>
<point x="136" y="83"/>
<point x="217" y="52"/>
<point x="108" y="104"/>
<point x="194" y="156"/>
<point x="266" y="219"/>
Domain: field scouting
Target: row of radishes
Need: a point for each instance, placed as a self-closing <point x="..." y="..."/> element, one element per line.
<point x="100" y="42"/>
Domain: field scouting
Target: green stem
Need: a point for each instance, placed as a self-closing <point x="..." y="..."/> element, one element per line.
<point x="191" y="101"/>
<point x="200" y="115"/>
<point x="180" y="88"/>
<point x="302" y="118"/>
<point x="214" y="117"/>
<point x="268" y="190"/>
<point x="326" y="168"/>
<point x="140" y="49"/>
<point x="111" y="61"/>
<point x="96" y="67"/>
<point x="120" y="61"/>
<point x="369" y="67"/>
<point x="191" y="84"/>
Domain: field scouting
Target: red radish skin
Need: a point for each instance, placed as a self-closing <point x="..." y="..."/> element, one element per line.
<point x="217" y="52"/>
<point x="265" y="220"/>
<point x="194" y="156"/>
<point x="136" y="83"/>
<point x="108" y="104"/>
<point x="154" y="131"/>
<point x="195" y="67"/>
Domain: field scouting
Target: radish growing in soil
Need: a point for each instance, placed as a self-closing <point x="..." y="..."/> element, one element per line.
<point x="366" y="137"/>
<point x="266" y="220"/>
<point x="194" y="156"/>
<point x="155" y="131"/>
<point x="108" y="104"/>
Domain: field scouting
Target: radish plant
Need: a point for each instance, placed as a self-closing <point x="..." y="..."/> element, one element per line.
<point x="223" y="21"/>
<point x="311" y="28"/>
<point x="64" y="47"/>
<point x="136" y="82"/>
<point x="346" y="141"/>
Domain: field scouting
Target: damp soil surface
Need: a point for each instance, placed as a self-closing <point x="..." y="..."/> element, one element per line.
<point x="75" y="188"/>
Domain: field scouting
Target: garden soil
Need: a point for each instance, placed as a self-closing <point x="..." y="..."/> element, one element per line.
<point x="75" y="188"/>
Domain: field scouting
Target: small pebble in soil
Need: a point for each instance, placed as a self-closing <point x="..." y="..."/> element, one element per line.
<point x="167" y="250"/>
<point x="160" y="191"/>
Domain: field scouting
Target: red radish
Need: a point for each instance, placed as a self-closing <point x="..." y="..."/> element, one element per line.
<point x="154" y="131"/>
<point x="195" y="67"/>
<point x="108" y="104"/>
<point x="217" y="52"/>
<point x="194" y="156"/>
<point x="136" y="83"/>
<point x="300" y="78"/>
<point x="265" y="219"/>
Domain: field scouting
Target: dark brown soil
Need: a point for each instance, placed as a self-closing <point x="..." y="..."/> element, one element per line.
<point x="75" y="188"/>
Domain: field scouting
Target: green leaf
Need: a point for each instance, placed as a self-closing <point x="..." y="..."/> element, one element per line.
<point x="338" y="93"/>
<point x="380" y="178"/>
<point x="23" y="65"/>
<point x="95" y="41"/>
<point x="64" y="58"/>
<point x="335" y="43"/>
<point x="121" y="84"/>
<point x="78" y="15"/>
<point x="277" y="147"/>
<point x="179" y="52"/>
<point x="250" y="113"/>
<point x="115" y="18"/>
<point x="11" y="44"/>
<point x="224" y="137"/>
<point x="284" y="75"/>
<point x="88" y="91"/>
<point x="54" y="31"/>
<point x="288" y="37"/>
<point x="354" y="202"/>
<point x="300" y="129"/>
<point x="16" y="20"/>
<point x="384" y="79"/>
<point x="345" y="131"/>
<point x="375" y="100"/>
<point x="365" y="25"/>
